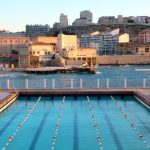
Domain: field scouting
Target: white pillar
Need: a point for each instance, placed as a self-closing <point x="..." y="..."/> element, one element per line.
<point x="98" y="83"/>
<point x="27" y="84"/>
<point x="107" y="84"/>
<point x="45" y="85"/>
<point x="81" y="86"/>
<point x="71" y="83"/>
<point x="53" y="83"/>
<point x="125" y="83"/>
<point x="144" y="83"/>
<point x="8" y="84"/>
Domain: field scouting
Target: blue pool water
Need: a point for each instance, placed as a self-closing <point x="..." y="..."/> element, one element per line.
<point x="76" y="130"/>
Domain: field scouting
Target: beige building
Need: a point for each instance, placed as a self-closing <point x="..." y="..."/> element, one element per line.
<point x="142" y="49"/>
<point x="63" y="20"/>
<point x="45" y="39"/>
<point x="68" y="49"/>
<point x="86" y="54"/>
<point x="124" y="38"/>
<point x="9" y="44"/>
<point x="66" y="42"/>
<point x="13" y="41"/>
<point x="41" y="49"/>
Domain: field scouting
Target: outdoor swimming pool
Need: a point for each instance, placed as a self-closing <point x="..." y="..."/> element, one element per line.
<point x="75" y="123"/>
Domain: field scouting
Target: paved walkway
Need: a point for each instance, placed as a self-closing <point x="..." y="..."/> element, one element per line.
<point x="3" y="95"/>
<point x="144" y="95"/>
<point x="146" y="92"/>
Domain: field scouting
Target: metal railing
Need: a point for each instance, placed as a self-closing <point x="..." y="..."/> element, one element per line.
<point x="74" y="83"/>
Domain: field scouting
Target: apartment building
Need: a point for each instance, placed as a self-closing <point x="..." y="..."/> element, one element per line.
<point x="105" y="42"/>
<point x="37" y="30"/>
<point x="90" y="40"/>
<point x="86" y="18"/>
<point x="8" y="44"/>
<point x="63" y="20"/>
<point x="12" y="34"/>
<point x="107" y="20"/>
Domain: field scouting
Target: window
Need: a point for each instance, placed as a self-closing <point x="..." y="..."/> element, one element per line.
<point x="146" y="49"/>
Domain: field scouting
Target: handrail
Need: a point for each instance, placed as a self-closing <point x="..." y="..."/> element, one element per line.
<point x="18" y="84"/>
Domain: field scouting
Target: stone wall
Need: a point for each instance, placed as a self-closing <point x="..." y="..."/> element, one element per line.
<point x="24" y="57"/>
<point x="123" y="60"/>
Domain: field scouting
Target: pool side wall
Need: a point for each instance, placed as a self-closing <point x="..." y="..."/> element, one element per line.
<point x="79" y="92"/>
<point x="6" y="102"/>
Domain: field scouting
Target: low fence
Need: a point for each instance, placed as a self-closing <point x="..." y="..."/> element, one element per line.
<point x="73" y="83"/>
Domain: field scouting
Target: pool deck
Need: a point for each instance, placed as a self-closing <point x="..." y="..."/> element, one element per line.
<point x="142" y="94"/>
<point x="7" y="98"/>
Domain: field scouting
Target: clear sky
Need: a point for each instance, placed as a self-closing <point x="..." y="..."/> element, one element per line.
<point x="15" y="14"/>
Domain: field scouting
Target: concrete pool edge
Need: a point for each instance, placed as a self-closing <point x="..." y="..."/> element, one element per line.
<point x="68" y="92"/>
<point x="6" y="102"/>
<point x="145" y="100"/>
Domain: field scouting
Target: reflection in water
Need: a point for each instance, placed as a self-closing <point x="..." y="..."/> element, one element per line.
<point x="52" y="101"/>
<point x="26" y="103"/>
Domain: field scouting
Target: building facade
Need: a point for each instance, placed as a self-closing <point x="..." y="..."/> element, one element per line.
<point x="141" y="19"/>
<point x="105" y="42"/>
<point x="88" y="15"/>
<point x="107" y="20"/>
<point x="142" y="49"/>
<point x="41" y="49"/>
<point x="86" y="18"/>
<point x="120" y="19"/>
<point x="56" y="25"/>
<point x="9" y="44"/>
<point x="45" y="39"/>
<point x="144" y="36"/>
<point x="4" y="41"/>
<point x="37" y="30"/>
<point x="66" y="42"/>
<point x="88" y="55"/>
<point x="81" y="22"/>
<point x="90" y="40"/>
<point x="63" y="20"/>
<point x="12" y="34"/>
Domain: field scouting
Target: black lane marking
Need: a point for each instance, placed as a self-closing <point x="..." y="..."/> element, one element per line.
<point x="38" y="131"/>
<point x="112" y="130"/>
<point x="75" y="131"/>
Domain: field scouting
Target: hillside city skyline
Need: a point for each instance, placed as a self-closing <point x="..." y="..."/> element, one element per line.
<point x="44" y="12"/>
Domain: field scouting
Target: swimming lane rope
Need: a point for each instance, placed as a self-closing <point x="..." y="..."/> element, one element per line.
<point x="132" y="124"/>
<point x="11" y="138"/>
<point x="58" y="124"/>
<point x="98" y="137"/>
